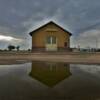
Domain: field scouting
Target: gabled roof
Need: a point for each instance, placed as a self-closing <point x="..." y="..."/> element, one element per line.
<point x="51" y="22"/>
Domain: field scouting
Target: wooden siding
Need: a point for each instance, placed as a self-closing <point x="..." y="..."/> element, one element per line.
<point x="39" y="37"/>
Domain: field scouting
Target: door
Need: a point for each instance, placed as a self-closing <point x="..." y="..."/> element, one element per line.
<point x="51" y="43"/>
<point x="65" y="44"/>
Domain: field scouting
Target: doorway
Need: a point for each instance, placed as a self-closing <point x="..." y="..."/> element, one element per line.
<point x="51" y="43"/>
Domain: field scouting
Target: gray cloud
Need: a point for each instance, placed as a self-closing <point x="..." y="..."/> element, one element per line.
<point x="89" y="38"/>
<point x="18" y="17"/>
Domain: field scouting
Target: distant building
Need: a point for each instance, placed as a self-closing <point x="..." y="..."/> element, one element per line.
<point x="50" y="37"/>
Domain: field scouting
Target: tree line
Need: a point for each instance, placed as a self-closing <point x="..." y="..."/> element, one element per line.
<point x="12" y="47"/>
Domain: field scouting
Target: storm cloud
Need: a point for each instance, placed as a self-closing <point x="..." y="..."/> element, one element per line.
<point x="19" y="17"/>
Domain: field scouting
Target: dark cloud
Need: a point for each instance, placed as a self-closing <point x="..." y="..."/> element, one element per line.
<point x="18" y="17"/>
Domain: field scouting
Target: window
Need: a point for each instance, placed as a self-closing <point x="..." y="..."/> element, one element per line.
<point x="51" y="40"/>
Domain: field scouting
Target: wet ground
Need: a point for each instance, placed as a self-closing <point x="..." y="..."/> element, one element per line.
<point x="49" y="81"/>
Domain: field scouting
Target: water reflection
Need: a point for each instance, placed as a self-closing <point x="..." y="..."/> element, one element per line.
<point x="50" y="74"/>
<point x="68" y="82"/>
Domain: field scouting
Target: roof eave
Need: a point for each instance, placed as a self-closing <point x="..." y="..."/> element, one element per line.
<point x="47" y="24"/>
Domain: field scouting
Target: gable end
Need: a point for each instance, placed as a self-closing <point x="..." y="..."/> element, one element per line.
<point x="48" y="24"/>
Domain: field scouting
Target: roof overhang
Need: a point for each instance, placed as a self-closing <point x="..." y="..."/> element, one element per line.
<point x="46" y="25"/>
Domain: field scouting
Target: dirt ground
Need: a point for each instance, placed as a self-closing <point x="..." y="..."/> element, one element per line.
<point x="84" y="58"/>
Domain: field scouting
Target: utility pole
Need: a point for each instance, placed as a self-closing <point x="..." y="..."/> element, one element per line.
<point x="96" y="43"/>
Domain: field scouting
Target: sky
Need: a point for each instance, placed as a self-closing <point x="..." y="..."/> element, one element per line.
<point x="19" y="17"/>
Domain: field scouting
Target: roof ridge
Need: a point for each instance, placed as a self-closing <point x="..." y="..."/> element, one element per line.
<point x="47" y="24"/>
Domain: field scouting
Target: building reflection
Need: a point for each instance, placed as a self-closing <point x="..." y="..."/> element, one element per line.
<point x="50" y="74"/>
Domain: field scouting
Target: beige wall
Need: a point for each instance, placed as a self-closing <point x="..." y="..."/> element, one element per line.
<point x="38" y="38"/>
